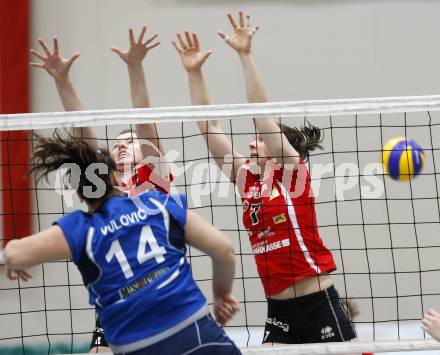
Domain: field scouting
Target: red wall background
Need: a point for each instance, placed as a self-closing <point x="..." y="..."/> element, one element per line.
<point x="14" y="98"/>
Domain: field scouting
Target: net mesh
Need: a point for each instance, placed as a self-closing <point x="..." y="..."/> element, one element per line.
<point x="384" y="235"/>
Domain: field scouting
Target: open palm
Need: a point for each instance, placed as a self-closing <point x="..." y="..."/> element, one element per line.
<point x="242" y="38"/>
<point x="189" y="51"/>
<point x="138" y="48"/>
<point x="52" y="61"/>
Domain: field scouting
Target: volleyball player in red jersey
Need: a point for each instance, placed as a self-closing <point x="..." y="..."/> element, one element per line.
<point x="134" y="161"/>
<point x="278" y="206"/>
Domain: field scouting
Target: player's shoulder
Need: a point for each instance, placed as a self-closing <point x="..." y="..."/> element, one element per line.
<point x="77" y="217"/>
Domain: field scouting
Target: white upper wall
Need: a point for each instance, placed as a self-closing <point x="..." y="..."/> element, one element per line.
<point x="305" y="49"/>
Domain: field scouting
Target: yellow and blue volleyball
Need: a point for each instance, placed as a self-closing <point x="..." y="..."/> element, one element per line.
<point x="403" y="158"/>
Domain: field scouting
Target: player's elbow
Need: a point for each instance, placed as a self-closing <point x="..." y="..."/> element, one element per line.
<point x="225" y="253"/>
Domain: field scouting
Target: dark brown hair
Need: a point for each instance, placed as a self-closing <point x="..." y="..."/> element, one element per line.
<point x="50" y="153"/>
<point x="304" y="140"/>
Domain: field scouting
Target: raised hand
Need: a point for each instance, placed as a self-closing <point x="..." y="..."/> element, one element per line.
<point x="242" y="38"/>
<point x="52" y="62"/>
<point x="224" y="308"/>
<point x="189" y="51"/>
<point x="138" y="49"/>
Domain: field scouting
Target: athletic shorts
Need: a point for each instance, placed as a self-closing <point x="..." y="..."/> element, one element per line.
<point x="204" y="336"/>
<point x="315" y="318"/>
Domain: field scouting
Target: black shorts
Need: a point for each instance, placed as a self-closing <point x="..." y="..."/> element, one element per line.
<point x="314" y="318"/>
<point x="98" y="338"/>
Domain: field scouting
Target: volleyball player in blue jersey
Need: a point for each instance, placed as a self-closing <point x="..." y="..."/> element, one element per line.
<point x="130" y="252"/>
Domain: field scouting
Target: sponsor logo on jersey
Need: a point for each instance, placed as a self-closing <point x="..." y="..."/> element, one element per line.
<point x="265" y="234"/>
<point x="279" y="219"/>
<point x="252" y="194"/>
<point x="272" y="246"/>
<point x="141" y="283"/>
<point x="327" y="332"/>
<point x="278" y="324"/>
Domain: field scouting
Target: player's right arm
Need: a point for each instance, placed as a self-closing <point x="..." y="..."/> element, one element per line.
<point x="241" y="40"/>
<point x="58" y="68"/>
<point x="208" y="239"/>
<point x="21" y="254"/>
<point x="192" y="60"/>
<point x="134" y="56"/>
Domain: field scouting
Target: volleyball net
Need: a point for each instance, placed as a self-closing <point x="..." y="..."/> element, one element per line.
<point x="383" y="234"/>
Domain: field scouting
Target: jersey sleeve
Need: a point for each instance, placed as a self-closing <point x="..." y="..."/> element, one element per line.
<point x="74" y="226"/>
<point x="177" y="207"/>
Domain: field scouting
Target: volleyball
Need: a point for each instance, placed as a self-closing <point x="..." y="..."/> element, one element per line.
<point x="403" y="158"/>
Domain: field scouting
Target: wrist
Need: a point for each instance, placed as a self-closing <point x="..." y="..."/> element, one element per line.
<point x="245" y="53"/>
<point x="133" y="65"/>
<point x="60" y="79"/>
<point x="195" y="71"/>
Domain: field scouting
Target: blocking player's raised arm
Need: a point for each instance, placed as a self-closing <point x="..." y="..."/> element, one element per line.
<point x="59" y="69"/>
<point x="241" y="41"/>
<point x="134" y="56"/>
<point x="192" y="59"/>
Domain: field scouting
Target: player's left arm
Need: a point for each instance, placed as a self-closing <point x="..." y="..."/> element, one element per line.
<point x="134" y="57"/>
<point x="241" y="41"/>
<point x="202" y="235"/>
<point x="47" y="245"/>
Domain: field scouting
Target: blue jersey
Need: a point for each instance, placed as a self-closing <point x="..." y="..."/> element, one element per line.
<point x="131" y="255"/>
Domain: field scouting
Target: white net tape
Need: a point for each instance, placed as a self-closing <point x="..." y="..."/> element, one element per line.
<point x="192" y="113"/>
<point x="346" y="348"/>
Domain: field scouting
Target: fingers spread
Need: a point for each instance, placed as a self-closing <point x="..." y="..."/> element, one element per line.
<point x="38" y="55"/>
<point x="151" y="39"/>
<point x="177" y="47"/>
<point x="182" y="43"/>
<point x="188" y="39"/>
<point x="74" y="57"/>
<point x="116" y="50"/>
<point x="153" y="45"/>
<point x="44" y="46"/>
<point x="206" y="55"/>
<point x="241" y="18"/>
<point x="221" y="34"/>
<point x="196" y="41"/>
<point x="141" y="35"/>
<point x="131" y="36"/>
<point x="55" y="46"/>
<point x="36" y="65"/>
<point x="232" y="21"/>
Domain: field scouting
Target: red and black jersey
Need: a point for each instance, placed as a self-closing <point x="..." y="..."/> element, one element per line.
<point x="280" y="217"/>
<point x="145" y="179"/>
